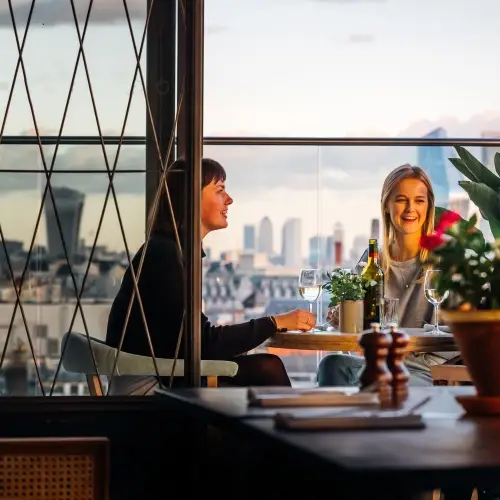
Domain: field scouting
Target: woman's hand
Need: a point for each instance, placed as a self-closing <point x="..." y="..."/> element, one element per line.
<point x="299" y="319"/>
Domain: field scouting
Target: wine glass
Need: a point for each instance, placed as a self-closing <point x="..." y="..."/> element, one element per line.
<point x="433" y="295"/>
<point x="310" y="285"/>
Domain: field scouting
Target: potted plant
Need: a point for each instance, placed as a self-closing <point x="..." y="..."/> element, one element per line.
<point x="470" y="273"/>
<point x="347" y="292"/>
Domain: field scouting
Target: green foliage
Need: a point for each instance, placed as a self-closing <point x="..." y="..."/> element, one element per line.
<point x="344" y="285"/>
<point x="470" y="266"/>
<point x="483" y="186"/>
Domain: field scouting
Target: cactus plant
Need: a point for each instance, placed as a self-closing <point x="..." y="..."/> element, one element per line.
<point x="483" y="186"/>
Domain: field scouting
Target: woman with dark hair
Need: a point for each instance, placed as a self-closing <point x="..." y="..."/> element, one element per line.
<point x="162" y="293"/>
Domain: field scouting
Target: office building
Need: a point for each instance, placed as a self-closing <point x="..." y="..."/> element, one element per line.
<point x="249" y="238"/>
<point x="291" y="243"/>
<point x="265" y="243"/>
<point x="69" y="204"/>
<point x="435" y="161"/>
<point x="375" y="229"/>
<point x="488" y="152"/>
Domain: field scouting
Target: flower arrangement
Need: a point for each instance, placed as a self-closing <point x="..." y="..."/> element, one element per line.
<point x="344" y="285"/>
<point x="470" y="266"/>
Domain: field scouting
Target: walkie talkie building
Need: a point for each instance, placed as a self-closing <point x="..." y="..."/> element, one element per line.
<point x="69" y="204"/>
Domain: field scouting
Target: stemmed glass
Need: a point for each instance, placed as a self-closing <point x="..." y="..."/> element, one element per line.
<point x="434" y="296"/>
<point x="310" y="285"/>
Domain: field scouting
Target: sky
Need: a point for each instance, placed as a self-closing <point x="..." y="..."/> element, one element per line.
<point x="315" y="68"/>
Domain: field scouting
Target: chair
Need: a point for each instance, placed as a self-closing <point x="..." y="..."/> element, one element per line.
<point x="134" y="375"/>
<point x="54" y="468"/>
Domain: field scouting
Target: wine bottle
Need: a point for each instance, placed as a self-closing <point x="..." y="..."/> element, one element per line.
<point x="373" y="278"/>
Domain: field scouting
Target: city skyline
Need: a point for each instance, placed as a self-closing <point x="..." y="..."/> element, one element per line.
<point x="409" y="95"/>
<point x="320" y="207"/>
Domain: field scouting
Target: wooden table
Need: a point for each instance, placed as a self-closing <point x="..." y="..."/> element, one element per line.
<point x="420" y="341"/>
<point x="452" y="451"/>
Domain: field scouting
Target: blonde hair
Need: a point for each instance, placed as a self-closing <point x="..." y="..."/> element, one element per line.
<point x="392" y="180"/>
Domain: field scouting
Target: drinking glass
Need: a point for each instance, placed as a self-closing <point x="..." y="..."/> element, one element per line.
<point x="389" y="311"/>
<point x="310" y="285"/>
<point x="434" y="297"/>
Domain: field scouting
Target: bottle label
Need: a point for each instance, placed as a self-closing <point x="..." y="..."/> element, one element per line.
<point x="372" y="302"/>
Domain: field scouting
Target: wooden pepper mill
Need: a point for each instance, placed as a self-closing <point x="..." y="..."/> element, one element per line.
<point x="376" y="373"/>
<point x="395" y="363"/>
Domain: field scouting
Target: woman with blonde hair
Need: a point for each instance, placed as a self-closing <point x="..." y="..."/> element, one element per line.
<point x="408" y="212"/>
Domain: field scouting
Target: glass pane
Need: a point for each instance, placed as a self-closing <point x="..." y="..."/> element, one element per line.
<point x="68" y="158"/>
<point x="50" y="54"/>
<point x="334" y="194"/>
<point x="252" y="267"/>
<point x="49" y="289"/>
<point x="351" y="68"/>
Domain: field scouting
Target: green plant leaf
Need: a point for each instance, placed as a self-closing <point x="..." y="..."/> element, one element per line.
<point x="473" y="221"/>
<point x="487" y="200"/>
<point x="495" y="228"/>
<point x="463" y="169"/>
<point x="483" y="174"/>
<point x="497" y="163"/>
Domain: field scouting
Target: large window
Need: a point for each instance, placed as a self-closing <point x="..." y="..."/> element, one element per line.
<point x="365" y="68"/>
<point x="308" y="206"/>
<point x="39" y="100"/>
<point x="50" y="52"/>
<point x="286" y="68"/>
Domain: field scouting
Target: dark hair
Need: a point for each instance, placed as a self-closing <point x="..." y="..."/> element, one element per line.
<point x="211" y="171"/>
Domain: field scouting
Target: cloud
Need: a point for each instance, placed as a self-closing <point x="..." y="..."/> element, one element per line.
<point x="72" y="158"/>
<point x="348" y="1"/>
<point x="252" y="170"/>
<point x="53" y="12"/>
<point x="57" y="12"/>
<point x="301" y="168"/>
<point x="215" y="29"/>
<point x="361" y="38"/>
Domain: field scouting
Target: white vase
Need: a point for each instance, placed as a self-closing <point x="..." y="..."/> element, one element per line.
<point x="351" y="316"/>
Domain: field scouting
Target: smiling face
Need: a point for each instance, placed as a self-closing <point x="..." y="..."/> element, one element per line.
<point x="407" y="205"/>
<point x="214" y="206"/>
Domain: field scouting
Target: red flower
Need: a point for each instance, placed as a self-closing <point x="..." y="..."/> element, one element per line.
<point x="431" y="241"/>
<point x="446" y="220"/>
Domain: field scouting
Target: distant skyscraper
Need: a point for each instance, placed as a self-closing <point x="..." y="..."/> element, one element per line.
<point x="460" y="204"/>
<point x="488" y="160"/>
<point x="359" y="247"/>
<point x="318" y="251"/>
<point x="330" y="251"/>
<point x="375" y="229"/>
<point x="69" y="204"/>
<point x="338" y="239"/>
<point x="249" y="238"/>
<point x="265" y="243"/>
<point x="291" y="243"/>
<point x="444" y="176"/>
<point x="488" y="152"/>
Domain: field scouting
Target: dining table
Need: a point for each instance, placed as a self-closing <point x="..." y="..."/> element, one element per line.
<point x="420" y="340"/>
<point x="454" y="451"/>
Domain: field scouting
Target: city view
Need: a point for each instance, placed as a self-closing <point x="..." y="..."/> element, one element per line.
<point x="294" y="206"/>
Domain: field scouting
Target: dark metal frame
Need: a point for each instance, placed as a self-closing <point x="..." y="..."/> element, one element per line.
<point x="161" y="89"/>
<point x="170" y="116"/>
<point x="191" y="131"/>
<point x="257" y="141"/>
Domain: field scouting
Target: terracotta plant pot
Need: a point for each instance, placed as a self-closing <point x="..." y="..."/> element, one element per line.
<point x="477" y="334"/>
<point x="351" y="316"/>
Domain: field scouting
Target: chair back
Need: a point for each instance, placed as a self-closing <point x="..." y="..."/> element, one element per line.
<point x="78" y="354"/>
